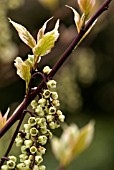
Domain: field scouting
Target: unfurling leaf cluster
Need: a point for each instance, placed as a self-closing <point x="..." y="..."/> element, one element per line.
<point x="44" y="44"/>
<point x="86" y="7"/>
<point x="72" y="142"/>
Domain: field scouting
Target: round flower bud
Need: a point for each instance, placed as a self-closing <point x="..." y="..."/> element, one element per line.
<point x="46" y="94"/>
<point x="34" y="104"/>
<point x="49" y="134"/>
<point x="11" y="164"/>
<point x="42" y="150"/>
<point x="61" y="118"/>
<point x="21" y="166"/>
<point x="36" y="167"/>
<point x="54" y="95"/>
<point x="27" y="136"/>
<point x="30" y="157"/>
<point x="33" y="149"/>
<point x="43" y="130"/>
<point x="4" y="167"/>
<point x="13" y="158"/>
<point x="49" y="118"/>
<point x="27" y="162"/>
<point x="33" y="131"/>
<point x="41" y="122"/>
<point x="59" y="112"/>
<point x="42" y="167"/>
<point x="52" y="125"/>
<point x="38" y="159"/>
<point x="28" y="143"/>
<point x="51" y="84"/>
<point x="42" y="139"/>
<point x="42" y="102"/>
<point x="57" y="125"/>
<point x="52" y="110"/>
<point x="18" y="141"/>
<point x="32" y="121"/>
<point x="39" y="111"/>
<point x="23" y="157"/>
<point x="46" y="70"/>
<point x="23" y="149"/>
<point x="56" y="102"/>
<point x="27" y="127"/>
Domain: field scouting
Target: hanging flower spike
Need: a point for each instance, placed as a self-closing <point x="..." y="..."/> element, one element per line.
<point x="3" y="119"/>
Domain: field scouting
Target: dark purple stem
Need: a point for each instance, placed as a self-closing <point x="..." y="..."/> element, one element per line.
<point x="56" y="67"/>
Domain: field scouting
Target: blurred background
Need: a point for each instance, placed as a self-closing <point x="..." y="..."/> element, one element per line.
<point x="85" y="82"/>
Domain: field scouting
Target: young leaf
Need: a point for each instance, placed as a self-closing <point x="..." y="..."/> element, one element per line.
<point x="3" y="119"/>
<point x="24" y="35"/>
<point x="86" y="6"/>
<point x="77" y="18"/>
<point x="42" y="30"/>
<point x="72" y="142"/>
<point x="46" y="43"/>
<point x="23" y="70"/>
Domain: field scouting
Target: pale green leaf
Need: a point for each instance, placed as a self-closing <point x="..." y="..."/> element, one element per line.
<point x="3" y="119"/>
<point x="42" y="30"/>
<point x="77" y="18"/>
<point x="84" y="139"/>
<point x="72" y="142"/>
<point x="24" y="35"/>
<point x="46" y="43"/>
<point x="23" y="69"/>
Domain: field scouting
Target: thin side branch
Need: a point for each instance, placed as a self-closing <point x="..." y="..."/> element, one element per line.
<point x="56" y="67"/>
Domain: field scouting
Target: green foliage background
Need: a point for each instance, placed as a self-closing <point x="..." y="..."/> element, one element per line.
<point x="85" y="82"/>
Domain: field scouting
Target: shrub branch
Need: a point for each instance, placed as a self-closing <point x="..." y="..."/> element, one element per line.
<point x="27" y="100"/>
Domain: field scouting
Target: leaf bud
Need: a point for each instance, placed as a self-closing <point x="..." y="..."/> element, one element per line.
<point x="33" y="131"/>
<point x="51" y="84"/>
<point x="42" y="102"/>
<point x="32" y="121"/>
<point x="28" y="143"/>
<point x="46" y="70"/>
